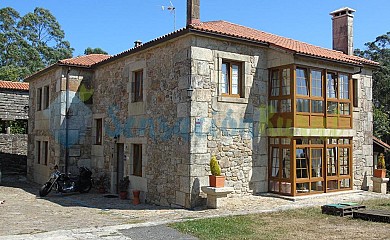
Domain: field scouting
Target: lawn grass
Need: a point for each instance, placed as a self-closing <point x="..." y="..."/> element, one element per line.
<point x="305" y="223"/>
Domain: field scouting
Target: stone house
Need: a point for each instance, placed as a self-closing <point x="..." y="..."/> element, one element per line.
<point x="280" y="115"/>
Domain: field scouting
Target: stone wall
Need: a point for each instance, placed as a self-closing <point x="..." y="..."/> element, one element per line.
<point x="13" y="154"/>
<point x="160" y="122"/>
<point x="12" y="103"/>
<point x="363" y="125"/>
<point x="224" y="126"/>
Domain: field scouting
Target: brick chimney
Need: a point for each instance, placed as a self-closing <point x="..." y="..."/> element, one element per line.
<point x="342" y="28"/>
<point x="193" y="11"/>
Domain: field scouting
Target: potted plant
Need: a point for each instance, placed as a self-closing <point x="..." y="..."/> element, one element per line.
<point x="102" y="182"/>
<point x="215" y="179"/>
<point x="123" y="187"/>
<point x="380" y="171"/>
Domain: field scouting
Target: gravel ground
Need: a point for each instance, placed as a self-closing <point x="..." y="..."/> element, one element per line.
<point x="24" y="213"/>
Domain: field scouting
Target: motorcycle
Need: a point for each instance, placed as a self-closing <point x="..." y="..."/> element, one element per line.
<point x="65" y="183"/>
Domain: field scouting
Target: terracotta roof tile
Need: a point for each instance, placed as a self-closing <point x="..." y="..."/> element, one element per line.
<point x="14" y="85"/>
<point x="234" y="30"/>
<point x="86" y="60"/>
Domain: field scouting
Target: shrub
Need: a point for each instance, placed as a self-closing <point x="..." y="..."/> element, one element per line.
<point x="214" y="167"/>
<point x="381" y="162"/>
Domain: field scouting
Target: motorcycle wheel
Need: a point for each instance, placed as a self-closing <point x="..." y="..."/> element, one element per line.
<point x="45" y="189"/>
<point x="86" y="188"/>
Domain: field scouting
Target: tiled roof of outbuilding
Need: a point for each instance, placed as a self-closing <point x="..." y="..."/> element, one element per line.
<point x="14" y="85"/>
<point x="238" y="31"/>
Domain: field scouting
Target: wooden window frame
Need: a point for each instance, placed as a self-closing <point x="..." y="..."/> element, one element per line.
<point x="137" y="160"/>
<point x="138" y="86"/>
<point x="229" y="68"/>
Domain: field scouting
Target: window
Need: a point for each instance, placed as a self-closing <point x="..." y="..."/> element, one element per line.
<point x="286" y="81"/>
<point x="301" y="163"/>
<point x="355" y="92"/>
<point x="285" y="105"/>
<point x="316" y="83"/>
<point x="286" y="163"/>
<point x="344" y="161"/>
<point x="45" y="152"/>
<point x="331" y="85"/>
<point x="302" y="82"/>
<point x="344" y="86"/>
<point x="138" y="86"/>
<point x="275" y="83"/>
<point x="38" y="151"/>
<point x="99" y="131"/>
<point x="231" y="82"/>
<point x="273" y="106"/>
<point x="332" y="108"/>
<point x="137" y="160"/>
<point x="303" y="105"/>
<point x="275" y="162"/>
<point x="317" y="106"/>
<point x="332" y="161"/>
<point x="316" y="163"/>
<point x="39" y="99"/>
<point x="344" y="109"/>
<point x="46" y="97"/>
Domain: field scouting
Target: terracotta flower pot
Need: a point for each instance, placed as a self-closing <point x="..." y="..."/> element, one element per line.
<point x="123" y="194"/>
<point x="380" y="173"/>
<point x="216" y="181"/>
<point x="136" y="200"/>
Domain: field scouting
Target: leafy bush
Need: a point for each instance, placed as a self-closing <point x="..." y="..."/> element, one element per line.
<point x="214" y="167"/>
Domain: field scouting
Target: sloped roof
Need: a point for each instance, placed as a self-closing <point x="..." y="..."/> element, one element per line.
<point x="238" y="31"/>
<point x="14" y="85"/>
<point x="381" y="143"/>
<point x="85" y="61"/>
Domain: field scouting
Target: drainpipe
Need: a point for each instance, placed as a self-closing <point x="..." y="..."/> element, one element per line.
<point x="67" y="121"/>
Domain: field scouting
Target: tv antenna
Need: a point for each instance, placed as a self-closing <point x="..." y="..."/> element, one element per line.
<point x="171" y="9"/>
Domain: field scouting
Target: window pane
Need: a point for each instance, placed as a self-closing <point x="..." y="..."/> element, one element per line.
<point x="302" y="187"/>
<point x="317" y="106"/>
<point x="275" y="162"/>
<point x="344" y="86"/>
<point x="344" y="161"/>
<point x="99" y="128"/>
<point x="224" y="84"/>
<point x="275" y="83"/>
<point x="331" y="155"/>
<point x="285" y="105"/>
<point x="138" y="86"/>
<point x="39" y="99"/>
<point x="302" y="83"/>
<point x="286" y="81"/>
<point x="332" y="108"/>
<point x="235" y="79"/>
<point x="316" y="163"/>
<point x="273" y="108"/>
<point x="301" y="141"/>
<point x="286" y="163"/>
<point x="302" y="105"/>
<point x="301" y="163"/>
<point x="344" y="109"/>
<point x="316" y="83"/>
<point x="345" y="183"/>
<point x="46" y="96"/>
<point x="331" y="85"/>
<point x="285" y="141"/>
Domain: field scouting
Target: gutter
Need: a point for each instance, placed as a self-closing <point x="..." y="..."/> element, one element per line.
<point x="67" y="121"/>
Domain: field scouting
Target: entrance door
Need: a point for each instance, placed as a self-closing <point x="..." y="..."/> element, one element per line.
<point x="120" y="156"/>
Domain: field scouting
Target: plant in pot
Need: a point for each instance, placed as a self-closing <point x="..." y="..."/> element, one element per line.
<point x="215" y="179"/>
<point x="102" y="183"/>
<point x="123" y="187"/>
<point x="380" y="171"/>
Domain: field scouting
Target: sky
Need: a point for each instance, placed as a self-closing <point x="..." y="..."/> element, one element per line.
<point x="114" y="25"/>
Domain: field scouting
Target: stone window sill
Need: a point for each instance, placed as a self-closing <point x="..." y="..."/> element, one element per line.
<point x="232" y="99"/>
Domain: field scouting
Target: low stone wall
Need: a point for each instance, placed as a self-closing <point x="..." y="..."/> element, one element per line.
<point x="13" y="154"/>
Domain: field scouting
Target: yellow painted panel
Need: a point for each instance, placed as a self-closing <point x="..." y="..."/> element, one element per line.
<point x="317" y="121"/>
<point x="345" y="122"/>
<point x="302" y="121"/>
<point x="331" y="122"/>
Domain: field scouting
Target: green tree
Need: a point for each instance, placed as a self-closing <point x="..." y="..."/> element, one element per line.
<point x="29" y="43"/>
<point x="379" y="51"/>
<point x="94" y="51"/>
